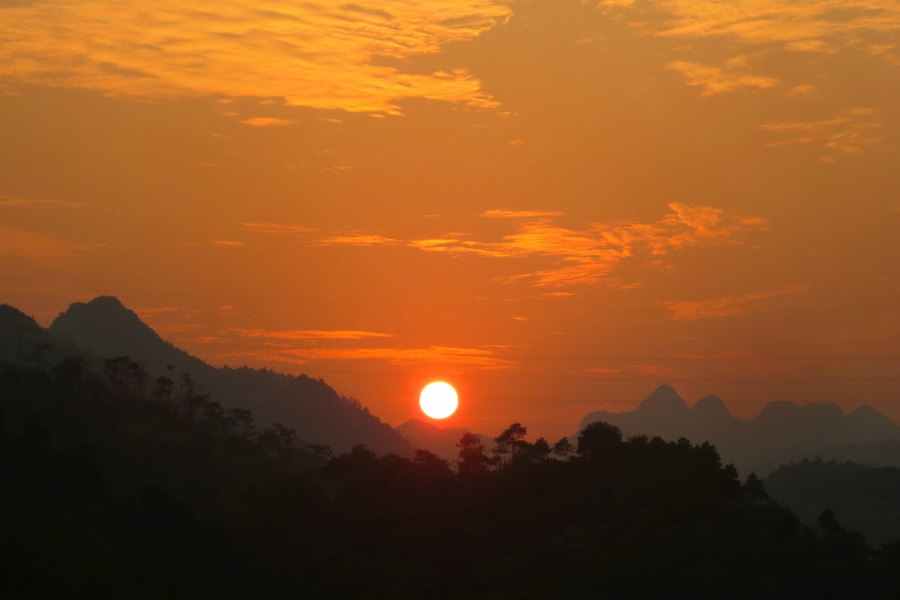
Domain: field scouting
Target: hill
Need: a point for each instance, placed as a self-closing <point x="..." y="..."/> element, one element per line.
<point x="23" y="341"/>
<point x="783" y="432"/>
<point x="863" y="498"/>
<point x="103" y="328"/>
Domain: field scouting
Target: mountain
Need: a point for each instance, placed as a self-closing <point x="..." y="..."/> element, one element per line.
<point x="783" y="432"/>
<point x="441" y="441"/>
<point x="863" y="498"/>
<point x="107" y="329"/>
<point x="23" y="341"/>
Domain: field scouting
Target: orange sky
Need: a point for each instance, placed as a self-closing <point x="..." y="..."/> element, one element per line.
<point x="554" y="205"/>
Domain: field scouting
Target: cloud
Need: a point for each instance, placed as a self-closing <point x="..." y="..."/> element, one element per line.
<point x="478" y="358"/>
<point x="278" y="228"/>
<point x="765" y="21"/>
<point x="358" y="240"/>
<point x="309" y="334"/>
<point x="583" y="256"/>
<point x="519" y="214"/>
<point x="717" y="81"/>
<point x="847" y="133"/>
<point x="228" y="243"/>
<point x="42" y="203"/>
<point x="319" y="54"/>
<point x="266" y="122"/>
<point x="725" y="306"/>
<point x="820" y="26"/>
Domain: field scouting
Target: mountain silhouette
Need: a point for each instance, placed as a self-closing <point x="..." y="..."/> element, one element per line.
<point x="783" y="432"/>
<point x="23" y="340"/>
<point x="441" y="441"/>
<point x="105" y="329"/>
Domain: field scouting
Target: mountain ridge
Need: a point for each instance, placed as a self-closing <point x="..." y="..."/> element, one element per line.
<point x="781" y="433"/>
<point x="104" y="328"/>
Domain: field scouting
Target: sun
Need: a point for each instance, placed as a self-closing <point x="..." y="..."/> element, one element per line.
<point x="438" y="400"/>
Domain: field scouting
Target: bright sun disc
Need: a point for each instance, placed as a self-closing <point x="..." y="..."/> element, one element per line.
<point x="438" y="400"/>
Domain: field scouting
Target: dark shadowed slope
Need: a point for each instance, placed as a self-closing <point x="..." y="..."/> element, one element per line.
<point x="320" y="415"/>
<point x="783" y="432"/>
<point x="441" y="441"/>
<point x="864" y="498"/>
<point x="23" y="341"/>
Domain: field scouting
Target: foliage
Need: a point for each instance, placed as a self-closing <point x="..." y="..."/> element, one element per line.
<point x="112" y="490"/>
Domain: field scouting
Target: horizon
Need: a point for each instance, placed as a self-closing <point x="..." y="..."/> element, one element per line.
<point x="553" y="205"/>
<point x="451" y="421"/>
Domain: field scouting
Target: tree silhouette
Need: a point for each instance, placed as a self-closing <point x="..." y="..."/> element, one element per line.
<point x="510" y="442"/>
<point x="473" y="462"/>
<point x="599" y="440"/>
<point x="563" y="448"/>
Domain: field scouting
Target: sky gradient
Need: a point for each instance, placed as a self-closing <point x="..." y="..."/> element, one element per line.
<point x="555" y="206"/>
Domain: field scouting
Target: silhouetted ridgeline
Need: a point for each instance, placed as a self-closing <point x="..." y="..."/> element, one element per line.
<point x="114" y="492"/>
<point x="103" y="329"/>
<point x="782" y="433"/>
<point x="864" y="498"/>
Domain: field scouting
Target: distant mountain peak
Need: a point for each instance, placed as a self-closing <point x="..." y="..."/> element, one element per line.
<point x="664" y="397"/>
<point x="711" y="406"/>
<point x="103" y="316"/>
<point x="12" y="318"/>
<point x="107" y="328"/>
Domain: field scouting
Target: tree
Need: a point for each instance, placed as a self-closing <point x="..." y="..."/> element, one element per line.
<point x="510" y="441"/>
<point x="242" y="421"/>
<point x="563" y="448"/>
<point x="599" y="440"/>
<point x="537" y="451"/>
<point x="473" y="462"/>
<point x="164" y="387"/>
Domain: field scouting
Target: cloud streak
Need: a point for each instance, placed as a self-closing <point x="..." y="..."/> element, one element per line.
<point x="580" y="256"/>
<point x="470" y="357"/>
<point x="309" y="334"/>
<point x="715" y="80"/>
<point x="725" y="306"/>
<point x="318" y="54"/>
<point x="847" y="133"/>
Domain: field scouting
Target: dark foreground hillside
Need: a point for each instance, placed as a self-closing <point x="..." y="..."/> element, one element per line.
<point x="115" y="492"/>
<point x="864" y="498"/>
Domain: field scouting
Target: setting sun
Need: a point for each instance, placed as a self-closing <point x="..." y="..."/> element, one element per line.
<point x="438" y="400"/>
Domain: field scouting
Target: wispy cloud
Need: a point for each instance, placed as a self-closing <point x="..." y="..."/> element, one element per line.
<point x="228" y="243"/>
<point x="519" y="214"/>
<point x="847" y="133"/>
<point x="716" y="80"/>
<point x="42" y="203"/>
<point x="278" y="228"/>
<point x="266" y="122"/>
<point x="309" y="334"/>
<point x="580" y="256"/>
<point x="786" y="26"/>
<point x="358" y="240"/>
<point x="587" y="256"/>
<point x="727" y="305"/>
<point x="767" y="21"/>
<point x="477" y="358"/>
<point x="319" y="54"/>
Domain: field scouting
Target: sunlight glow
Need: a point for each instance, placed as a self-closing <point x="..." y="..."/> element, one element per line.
<point x="438" y="400"/>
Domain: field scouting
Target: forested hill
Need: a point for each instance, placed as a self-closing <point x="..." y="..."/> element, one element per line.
<point x="111" y="492"/>
<point x="103" y="329"/>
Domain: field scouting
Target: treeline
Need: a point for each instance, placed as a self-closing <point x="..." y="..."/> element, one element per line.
<point x="116" y="486"/>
